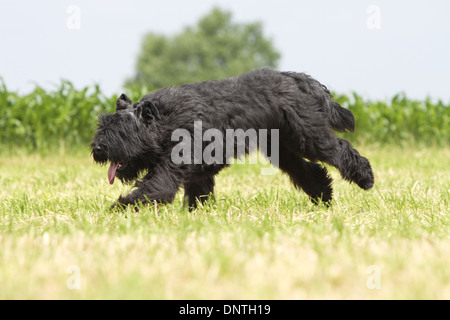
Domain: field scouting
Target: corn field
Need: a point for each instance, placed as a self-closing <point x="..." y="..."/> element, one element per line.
<point x="66" y="118"/>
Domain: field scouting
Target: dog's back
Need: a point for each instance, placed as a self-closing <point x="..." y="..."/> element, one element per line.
<point x="340" y="119"/>
<point x="265" y="90"/>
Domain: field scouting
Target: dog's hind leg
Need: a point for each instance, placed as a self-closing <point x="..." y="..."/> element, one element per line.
<point x="311" y="177"/>
<point x="198" y="189"/>
<point x="352" y="165"/>
<point x="340" y="154"/>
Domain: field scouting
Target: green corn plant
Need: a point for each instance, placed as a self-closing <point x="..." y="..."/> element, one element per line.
<point x="66" y="117"/>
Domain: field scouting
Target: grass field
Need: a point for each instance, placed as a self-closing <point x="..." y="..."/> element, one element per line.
<point x="261" y="239"/>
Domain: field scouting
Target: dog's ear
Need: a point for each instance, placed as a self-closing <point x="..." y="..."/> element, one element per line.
<point x="123" y="102"/>
<point x="147" y="111"/>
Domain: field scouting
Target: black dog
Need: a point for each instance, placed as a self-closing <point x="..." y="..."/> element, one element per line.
<point x="139" y="141"/>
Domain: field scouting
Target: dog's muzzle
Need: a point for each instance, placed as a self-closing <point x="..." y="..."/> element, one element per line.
<point x="99" y="154"/>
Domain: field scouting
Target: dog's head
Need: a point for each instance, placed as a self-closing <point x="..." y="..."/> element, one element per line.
<point x="126" y="138"/>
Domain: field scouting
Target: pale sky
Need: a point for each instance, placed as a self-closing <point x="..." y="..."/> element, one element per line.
<point x="376" y="48"/>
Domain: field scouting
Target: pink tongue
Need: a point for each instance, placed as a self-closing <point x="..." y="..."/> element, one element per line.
<point x="112" y="172"/>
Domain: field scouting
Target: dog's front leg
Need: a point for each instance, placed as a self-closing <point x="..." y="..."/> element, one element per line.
<point x="159" y="186"/>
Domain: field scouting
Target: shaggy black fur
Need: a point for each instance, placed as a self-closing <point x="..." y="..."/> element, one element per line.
<point x="137" y="138"/>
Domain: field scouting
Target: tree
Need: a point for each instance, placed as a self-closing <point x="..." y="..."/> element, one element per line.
<point x="215" y="48"/>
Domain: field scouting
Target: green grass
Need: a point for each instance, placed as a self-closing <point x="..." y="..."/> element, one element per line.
<point x="261" y="239"/>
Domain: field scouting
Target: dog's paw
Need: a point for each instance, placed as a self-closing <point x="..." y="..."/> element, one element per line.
<point x="364" y="177"/>
<point x="366" y="182"/>
<point x="118" y="206"/>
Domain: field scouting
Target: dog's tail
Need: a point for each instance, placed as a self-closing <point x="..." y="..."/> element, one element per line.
<point x="339" y="118"/>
